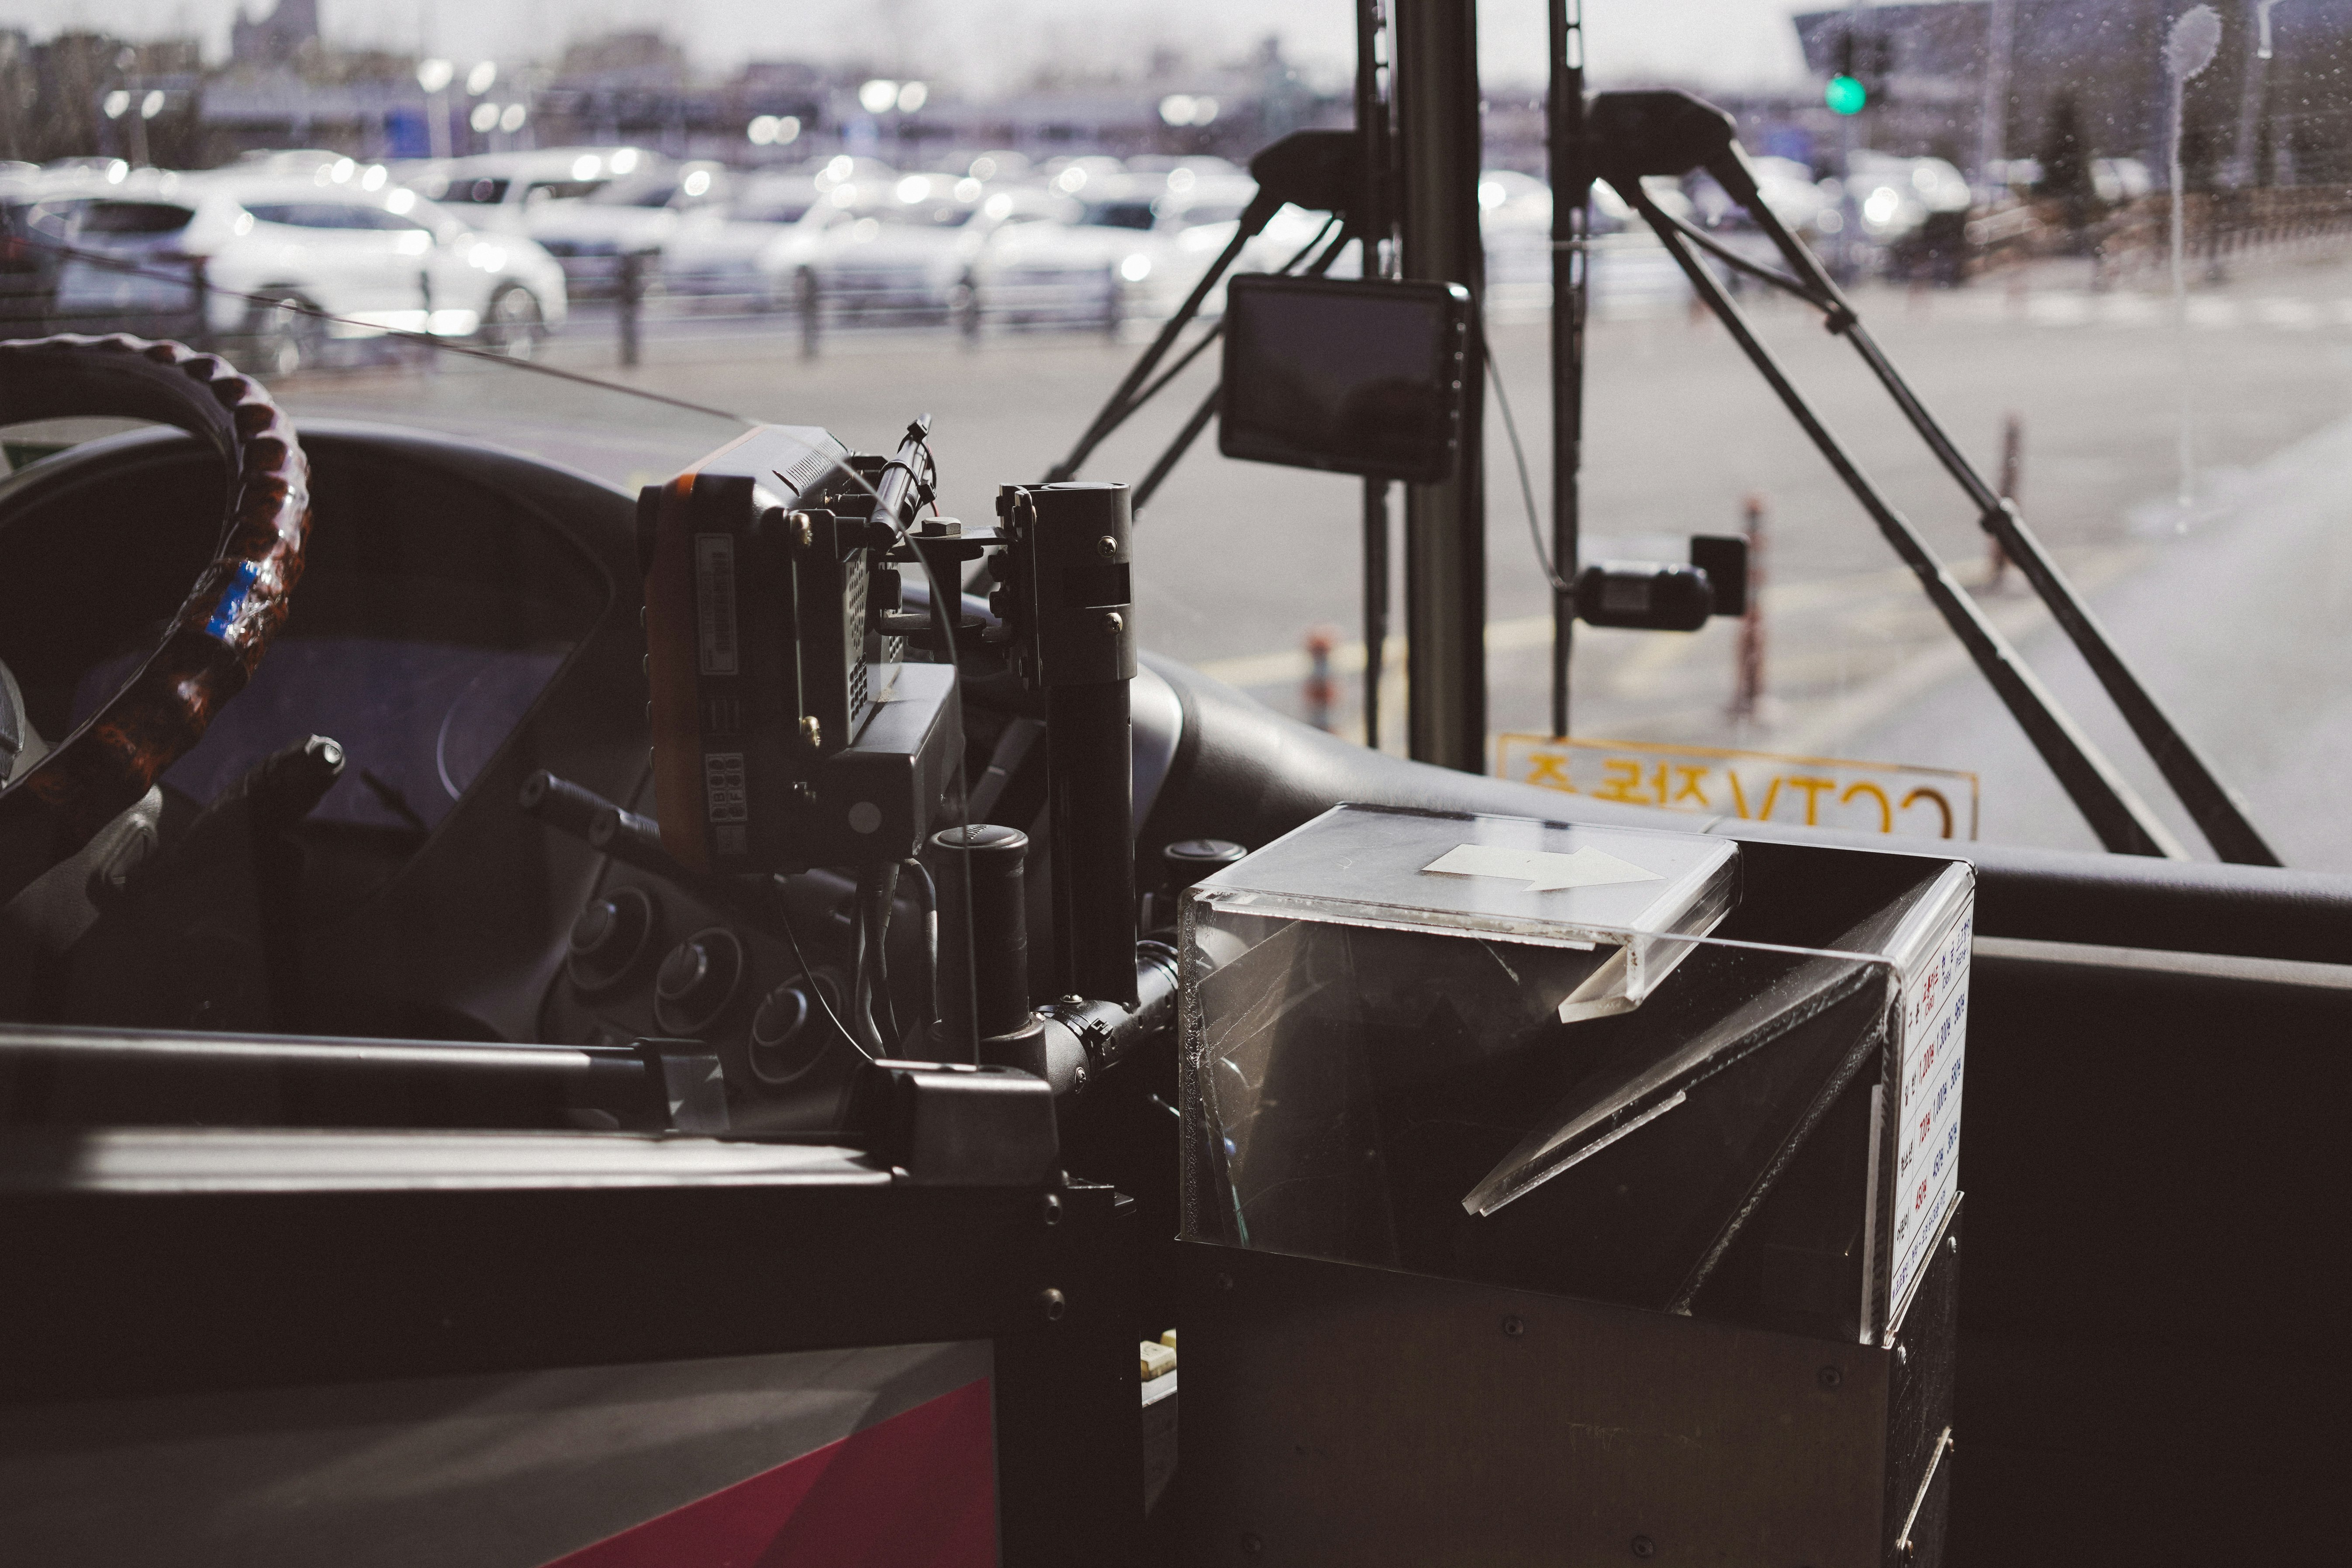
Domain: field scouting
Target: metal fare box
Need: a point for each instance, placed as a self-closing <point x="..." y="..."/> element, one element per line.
<point x="1550" y="1189"/>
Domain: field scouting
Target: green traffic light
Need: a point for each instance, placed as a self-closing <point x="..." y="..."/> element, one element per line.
<point x="1845" y="95"/>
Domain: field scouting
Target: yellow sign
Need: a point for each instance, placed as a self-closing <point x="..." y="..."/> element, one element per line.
<point x="1755" y="786"/>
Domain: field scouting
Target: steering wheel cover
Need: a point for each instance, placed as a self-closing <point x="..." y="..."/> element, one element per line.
<point x="224" y="627"/>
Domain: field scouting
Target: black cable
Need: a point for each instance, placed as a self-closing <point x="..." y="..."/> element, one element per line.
<point x="1519" y="456"/>
<point x="784" y="919"/>
<point x="440" y="345"/>
<point x="931" y="931"/>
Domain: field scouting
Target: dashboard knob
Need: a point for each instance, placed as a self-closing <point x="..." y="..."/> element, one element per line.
<point x="784" y="1044"/>
<point x="697" y="979"/>
<point x="609" y="936"/>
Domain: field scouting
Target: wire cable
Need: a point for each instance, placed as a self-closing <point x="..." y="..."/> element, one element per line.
<point x="1520" y="457"/>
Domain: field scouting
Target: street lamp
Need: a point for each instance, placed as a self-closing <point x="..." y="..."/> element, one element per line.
<point x="912" y="96"/>
<point x="435" y="75"/>
<point x="481" y="77"/>
<point x="876" y="97"/>
<point x="485" y="118"/>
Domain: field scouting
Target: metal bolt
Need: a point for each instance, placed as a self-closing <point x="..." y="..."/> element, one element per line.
<point x="1514" y="1326"/>
<point x="1053" y="1207"/>
<point x="1107" y="547"/>
<point x="1113" y="623"/>
<point x="1644" y="1547"/>
<point x="803" y="530"/>
<point x="1952" y="1244"/>
<point x="1053" y="1303"/>
<point x="811" y="731"/>
<point x="1251" y="1545"/>
<point x="1830" y="1377"/>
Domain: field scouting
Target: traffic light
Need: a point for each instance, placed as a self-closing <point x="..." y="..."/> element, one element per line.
<point x="1862" y="63"/>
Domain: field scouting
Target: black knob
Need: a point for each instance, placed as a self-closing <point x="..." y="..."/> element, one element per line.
<point x="609" y="935"/>
<point x="697" y="979"/>
<point x="1188" y="860"/>
<point x="784" y="1045"/>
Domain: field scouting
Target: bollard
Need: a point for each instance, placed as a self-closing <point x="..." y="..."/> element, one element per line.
<point x="1113" y="303"/>
<point x="965" y="302"/>
<point x="200" y="289"/>
<point x="2012" y="465"/>
<point x="1750" y="691"/>
<point x="804" y="300"/>
<point x="631" y="292"/>
<point x="1317" y="694"/>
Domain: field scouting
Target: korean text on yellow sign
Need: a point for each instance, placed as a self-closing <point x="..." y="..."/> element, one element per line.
<point x="1756" y="786"/>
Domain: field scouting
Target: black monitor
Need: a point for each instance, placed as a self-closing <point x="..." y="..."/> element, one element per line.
<point x="1356" y="377"/>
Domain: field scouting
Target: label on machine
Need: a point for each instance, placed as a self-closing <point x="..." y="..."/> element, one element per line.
<point x="1925" y="1164"/>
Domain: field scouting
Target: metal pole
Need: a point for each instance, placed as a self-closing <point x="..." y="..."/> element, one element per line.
<point x="1436" y="87"/>
<point x="2122" y="821"/>
<point x="1570" y="176"/>
<point x="1992" y="114"/>
<point x="1377" y="233"/>
<point x="1376" y="604"/>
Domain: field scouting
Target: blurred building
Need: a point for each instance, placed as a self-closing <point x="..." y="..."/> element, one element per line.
<point x="54" y="95"/>
<point x="287" y="32"/>
<point x="2082" y="79"/>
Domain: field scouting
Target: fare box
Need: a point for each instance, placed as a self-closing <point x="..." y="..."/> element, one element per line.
<point x="1754" y="786"/>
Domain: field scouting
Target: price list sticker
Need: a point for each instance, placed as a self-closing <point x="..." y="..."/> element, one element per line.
<point x="1927" y="1114"/>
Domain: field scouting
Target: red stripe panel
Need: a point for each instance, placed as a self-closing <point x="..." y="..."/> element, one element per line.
<point x="918" y="1490"/>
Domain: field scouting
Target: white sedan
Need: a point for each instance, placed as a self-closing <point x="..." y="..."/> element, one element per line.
<point x="286" y="265"/>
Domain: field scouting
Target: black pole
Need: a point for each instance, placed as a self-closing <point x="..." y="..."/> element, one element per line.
<point x="1570" y="174"/>
<point x="2217" y="813"/>
<point x="2119" y="817"/>
<point x="1376" y="604"/>
<point x="1438" y="133"/>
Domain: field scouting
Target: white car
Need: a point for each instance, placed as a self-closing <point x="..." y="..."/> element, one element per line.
<point x="1101" y="260"/>
<point x="904" y="247"/>
<point x="635" y="216"/>
<point x="718" y="250"/>
<point x="499" y="190"/>
<point x="286" y="265"/>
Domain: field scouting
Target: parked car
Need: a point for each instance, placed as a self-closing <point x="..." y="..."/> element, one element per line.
<point x="1101" y="260"/>
<point x="278" y="267"/>
<point x="717" y="249"/>
<point x="906" y="249"/>
<point x="635" y="216"/>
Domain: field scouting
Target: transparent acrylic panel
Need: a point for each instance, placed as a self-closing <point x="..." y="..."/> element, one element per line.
<point x="1411" y="1098"/>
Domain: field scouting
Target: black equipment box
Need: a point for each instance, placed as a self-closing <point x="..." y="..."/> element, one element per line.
<point x="768" y="751"/>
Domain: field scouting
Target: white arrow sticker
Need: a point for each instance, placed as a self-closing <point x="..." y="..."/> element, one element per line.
<point x="1543" y="870"/>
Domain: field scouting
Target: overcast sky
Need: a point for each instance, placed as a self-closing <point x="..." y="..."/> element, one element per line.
<point x="992" y="43"/>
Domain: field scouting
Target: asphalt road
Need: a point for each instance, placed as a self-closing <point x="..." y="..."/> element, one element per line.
<point x="2234" y="606"/>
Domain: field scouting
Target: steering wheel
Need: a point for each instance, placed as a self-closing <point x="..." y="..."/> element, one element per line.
<point x="107" y="765"/>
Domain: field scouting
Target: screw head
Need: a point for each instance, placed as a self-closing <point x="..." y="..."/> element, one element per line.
<point x="1107" y="547"/>
<point x="1902" y="1356"/>
<point x="1644" y="1547"/>
<point x="1952" y="1244"/>
<point x="1053" y="1303"/>
<point x="803" y="530"/>
<point x="1113" y="623"/>
<point x="1514" y="1326"/>
<point x="1830" y="1377"/>
<point x="1051" y="1208"/>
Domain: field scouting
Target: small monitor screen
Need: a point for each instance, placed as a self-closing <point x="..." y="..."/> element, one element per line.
<point x="1354" y="377"/>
